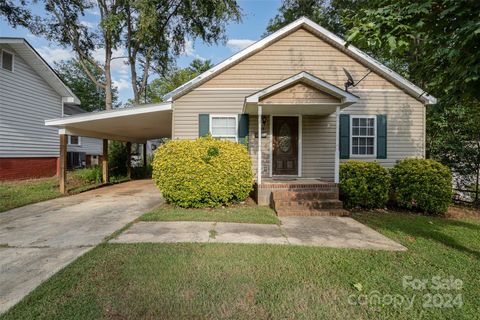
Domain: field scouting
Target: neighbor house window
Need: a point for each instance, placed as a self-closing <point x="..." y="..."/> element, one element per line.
<point x="74" y="140"/>
<point x="7" y="60"/>
<point x="223" y="127"/>
<point x="363" y="136"/>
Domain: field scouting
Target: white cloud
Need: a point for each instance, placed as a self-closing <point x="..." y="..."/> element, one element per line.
<point x="52" y="55"/>
<point x="239" y="44"/>
<point x="118" y="65"/>
<point x="93" y="11"/>
<point x="189" y="51"/>
<point x="122" y="84"/>
<point x="88" y="24"/>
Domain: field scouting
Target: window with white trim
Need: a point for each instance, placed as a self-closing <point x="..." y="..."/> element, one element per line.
<point x="224" y="127"/>
<point x="74" y="140"/>
<point x="363" y="136"/>
<point x="7" y="60"/>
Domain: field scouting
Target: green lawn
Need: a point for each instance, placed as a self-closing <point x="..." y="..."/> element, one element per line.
<point x="15" y="194"/>
<point x="233" y="281"/>
<point x="242" y="214"/>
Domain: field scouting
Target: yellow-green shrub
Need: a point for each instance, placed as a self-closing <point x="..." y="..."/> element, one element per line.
<point x="364" y="184"/>
<point x="203" y="173"/>
<point x="422" y="184"/>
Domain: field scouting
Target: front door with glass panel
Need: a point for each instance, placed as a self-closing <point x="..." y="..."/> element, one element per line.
<point x="285" y="146"/>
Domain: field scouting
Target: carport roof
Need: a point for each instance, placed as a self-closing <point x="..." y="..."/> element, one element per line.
<point x="135" y="124"/>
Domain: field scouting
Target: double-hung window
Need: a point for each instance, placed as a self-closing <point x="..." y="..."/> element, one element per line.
<point x="7" y="59"/>
<point x="74" y="140"/>
<point x="224" y="127"/>
<point x="363" y="136"/>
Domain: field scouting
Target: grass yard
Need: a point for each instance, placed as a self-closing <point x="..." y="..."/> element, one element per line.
<point x="242" y="213"/>
<point x="233" y="281"/>
<point x="15" y="194"/>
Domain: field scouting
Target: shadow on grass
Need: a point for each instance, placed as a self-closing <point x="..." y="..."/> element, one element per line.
<point x="427" y="227"/>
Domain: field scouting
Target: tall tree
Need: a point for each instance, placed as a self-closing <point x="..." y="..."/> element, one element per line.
<point x="62" y="25"/>
<point x="16" y="14"/>
<point x="327" y="13"/>
<point x="92" y="97"/>
<point x="174" y="78"/>
<point x="157" y="31"/>
<point x="438" y="40"/>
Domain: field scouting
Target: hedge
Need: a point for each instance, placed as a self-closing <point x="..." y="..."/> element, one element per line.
<point x="422" y="184"/>
<point x="364" y="184"/>
<point x="203" y="173"/>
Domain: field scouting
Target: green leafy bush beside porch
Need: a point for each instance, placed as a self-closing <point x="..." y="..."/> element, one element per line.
<point x="364" y="184"/>
<point x="422" y="184"/>
<point x="203" y="173"/>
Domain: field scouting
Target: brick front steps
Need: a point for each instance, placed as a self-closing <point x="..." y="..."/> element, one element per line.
<point x="308" y="200"/>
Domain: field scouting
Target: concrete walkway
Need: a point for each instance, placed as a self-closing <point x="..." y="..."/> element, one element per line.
<point x="335" y="232"/>
<point x="39" y="239"/>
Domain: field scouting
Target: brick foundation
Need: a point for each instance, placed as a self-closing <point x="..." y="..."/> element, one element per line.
<point x="26" y="168"/>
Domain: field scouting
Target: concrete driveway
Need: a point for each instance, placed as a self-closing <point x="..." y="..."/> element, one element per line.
<point x="39" y="239"/>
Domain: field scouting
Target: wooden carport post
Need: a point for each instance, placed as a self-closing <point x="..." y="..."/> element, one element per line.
<point x="145" y="158"/>
<point x="129" y="160"/>
<point x="105" y="175"/>
<point x="63" y="163"/>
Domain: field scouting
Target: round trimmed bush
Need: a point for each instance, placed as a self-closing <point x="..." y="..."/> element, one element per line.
<point x="422" y="184"/>
<point x="203" y="173"/>
<point x="364" y="184"/>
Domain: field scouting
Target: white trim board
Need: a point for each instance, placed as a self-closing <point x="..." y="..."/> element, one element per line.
<point x="324" y="34"/>
<point x="123" y="112"/>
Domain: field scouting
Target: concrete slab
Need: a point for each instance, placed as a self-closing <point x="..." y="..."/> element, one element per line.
<point x="44" y="237"/>
<point x="22" y="268"/>
<point x="335" y="232"/>
<point x="169" y="232"/>
<point x="250" y="233"/>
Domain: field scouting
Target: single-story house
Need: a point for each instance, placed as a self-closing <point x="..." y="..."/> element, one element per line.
<point x="30" y="92"/>
<point x="290" y="97"/>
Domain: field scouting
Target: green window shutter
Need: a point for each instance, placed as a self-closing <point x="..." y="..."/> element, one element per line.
<point x="242" y="128"/>
<point x="344" y="136"/>
<point x="381" y="136"/>
<point x="203" y="124"/>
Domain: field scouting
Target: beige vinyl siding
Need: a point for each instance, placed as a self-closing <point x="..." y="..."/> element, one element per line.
<point x="297" y="52"/>
<point x="187" y="108"/>
<point x="26" y="100"/>
<point x="299" y="93"/>
<point x="405" y="132"/>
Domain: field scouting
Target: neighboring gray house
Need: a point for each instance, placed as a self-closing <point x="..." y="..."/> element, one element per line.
<point x="82" y="151"/>
<point x="30" y="92"/>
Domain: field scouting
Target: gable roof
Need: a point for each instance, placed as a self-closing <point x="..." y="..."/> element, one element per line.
<point x="345" y="97"/>
<point x="322" y="33"/>
<point x="41" y="67"/>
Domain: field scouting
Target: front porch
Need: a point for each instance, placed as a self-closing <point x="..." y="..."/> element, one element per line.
<point x="300" y="197"/>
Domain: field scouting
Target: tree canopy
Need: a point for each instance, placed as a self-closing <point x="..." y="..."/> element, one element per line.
<point x="174" y="78"/>
<point x="92" y="98"/>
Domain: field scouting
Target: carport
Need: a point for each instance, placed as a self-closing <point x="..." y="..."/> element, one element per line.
<point x="136" y="124"/>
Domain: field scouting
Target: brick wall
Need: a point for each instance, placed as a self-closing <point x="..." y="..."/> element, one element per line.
<point x="25" y="168"/>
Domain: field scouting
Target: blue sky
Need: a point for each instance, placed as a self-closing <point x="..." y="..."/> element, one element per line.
<point x="256" y="13"/>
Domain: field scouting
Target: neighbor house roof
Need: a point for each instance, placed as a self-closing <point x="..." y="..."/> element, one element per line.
<point x="37" y="63"/>
<point x="322" y="33"/>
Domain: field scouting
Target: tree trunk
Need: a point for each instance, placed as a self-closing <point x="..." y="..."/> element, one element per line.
<point x="108" y="79"/>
